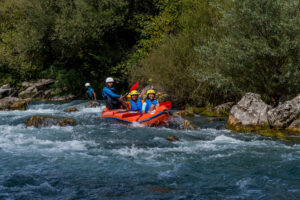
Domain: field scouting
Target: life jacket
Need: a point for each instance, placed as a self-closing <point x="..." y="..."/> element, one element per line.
<point x="89" y="93"/>
<point x="136" y="106"/>
<point x="149" y="103"/>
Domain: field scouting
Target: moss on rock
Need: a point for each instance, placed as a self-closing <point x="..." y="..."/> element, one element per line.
<point x="44" y="121"/>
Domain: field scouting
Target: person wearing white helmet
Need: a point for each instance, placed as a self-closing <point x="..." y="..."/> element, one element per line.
<point x="113" y="100"/>
<point x="90" y="92"/>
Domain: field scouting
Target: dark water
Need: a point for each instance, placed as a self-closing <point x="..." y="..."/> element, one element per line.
<point x="100" y="159"/>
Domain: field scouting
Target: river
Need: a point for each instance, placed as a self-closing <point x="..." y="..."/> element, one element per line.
<point x="101" y="159"/>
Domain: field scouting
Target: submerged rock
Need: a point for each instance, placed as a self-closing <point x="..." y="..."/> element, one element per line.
<point x="172" y="138"/>
<point x="249" y="114"/>
<point x="283" y="115"/>
<point x="188" y="125"/>
<point x="13" y="103"/>
<point x="72" y="109"/>
<point x="44" y="121"/>
<point x="159" y="189"/>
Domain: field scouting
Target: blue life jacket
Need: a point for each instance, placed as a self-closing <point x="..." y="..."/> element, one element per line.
<point x="136" y="106"/>
<point x="89" y="93"/>
<point x="149" y="103"/>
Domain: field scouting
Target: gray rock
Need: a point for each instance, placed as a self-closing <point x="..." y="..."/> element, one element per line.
<point x="39" y="83"/>
<point x="295" y="126"/>
<point x="44" y="121"/>
<point x="63" y="98"/>
<point x="249" y="114"/>
<point x="223" y="108"/>
<point x="30" y="92"/>
<point x="13" y="103"/>
<point x="6" y="102"/>
<point x="6" y="91"/>
<point x="283" y="115"/>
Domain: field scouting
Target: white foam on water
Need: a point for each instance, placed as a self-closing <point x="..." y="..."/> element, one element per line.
<point x="136" y="124"/>
<point x="97" y="109"/>
<point x="18" y="139"/>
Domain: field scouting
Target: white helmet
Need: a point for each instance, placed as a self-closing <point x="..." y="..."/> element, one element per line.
<point x="109" y="80"/>
<point x="87" y="85"/>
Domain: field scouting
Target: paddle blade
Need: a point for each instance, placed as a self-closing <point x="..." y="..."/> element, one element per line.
<point x="168" y="104"/>
<point x="134" y="87"/>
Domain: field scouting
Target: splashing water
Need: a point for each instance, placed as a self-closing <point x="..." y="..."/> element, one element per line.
<point x="101" y="159"/>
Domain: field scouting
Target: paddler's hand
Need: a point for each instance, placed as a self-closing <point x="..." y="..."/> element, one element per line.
<point x="122" y="98"/>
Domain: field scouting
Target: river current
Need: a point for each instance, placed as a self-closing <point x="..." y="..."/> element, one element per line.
<point x="102" y="159"/>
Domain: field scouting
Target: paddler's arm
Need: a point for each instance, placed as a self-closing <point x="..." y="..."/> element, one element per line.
<point x="111" y="94"/>
<point x="144" y="107"/>
<point x="157" y="105"/>
<point x="94" y="94"/>
<point x="124" y="103"/>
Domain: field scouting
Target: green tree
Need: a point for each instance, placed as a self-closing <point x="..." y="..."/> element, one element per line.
<point x="259" y="51"/>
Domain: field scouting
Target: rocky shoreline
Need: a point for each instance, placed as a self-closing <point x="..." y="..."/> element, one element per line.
<point x="42" y="89"/>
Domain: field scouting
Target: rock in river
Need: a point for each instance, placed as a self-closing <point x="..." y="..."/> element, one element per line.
<point x="283" y="115"/>
<point x="249" y="114"/>
<point x="71" y="109"/>
<point x="44" y="121"/>
<point x="13" y="103"/>
<point x="172" y="138"/>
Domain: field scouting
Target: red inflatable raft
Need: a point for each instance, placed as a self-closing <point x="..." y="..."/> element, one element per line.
<point x="157" y="117"/>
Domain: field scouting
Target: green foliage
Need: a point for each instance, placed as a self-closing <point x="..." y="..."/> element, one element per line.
<point x="259" y="51"/>
<point x="174" y="62"/>
<point x="73" y="41"/>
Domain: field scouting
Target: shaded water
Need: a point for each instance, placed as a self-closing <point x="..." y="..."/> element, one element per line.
<point x="101" y="159"/>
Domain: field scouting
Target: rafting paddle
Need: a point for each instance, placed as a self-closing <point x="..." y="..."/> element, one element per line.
<point x="134" y="87"/>
<point x="168" y="104"/>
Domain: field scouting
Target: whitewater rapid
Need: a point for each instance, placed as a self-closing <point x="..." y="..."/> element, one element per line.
<point x="102" y="159"/>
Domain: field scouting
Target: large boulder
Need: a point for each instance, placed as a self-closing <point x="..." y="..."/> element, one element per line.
<point x="283" y="115"/>
<point x="249" y="114"/>
<point x="44" y="121"/>
<point x="13" y="103"/>
<point x="7" y="91"/>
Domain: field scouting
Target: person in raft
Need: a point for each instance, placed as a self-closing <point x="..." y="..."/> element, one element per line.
<point x="150" y="103"/>
<point x="113" y="100"/>
<point x="135" y="104"/>
<point x="90" y="92"/>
